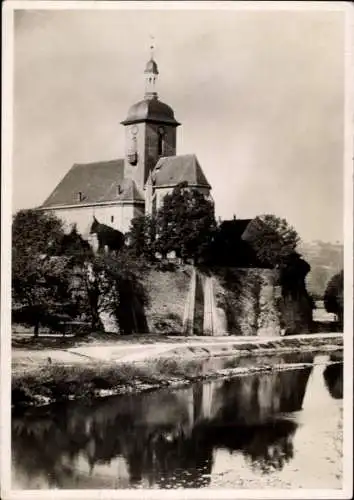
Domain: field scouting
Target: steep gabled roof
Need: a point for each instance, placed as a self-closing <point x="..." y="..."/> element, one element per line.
<point x="172" y="170"/>
<point x="97" y="182"/>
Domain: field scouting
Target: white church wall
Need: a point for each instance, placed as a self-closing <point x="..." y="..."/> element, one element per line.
<point x="116" y="216"/>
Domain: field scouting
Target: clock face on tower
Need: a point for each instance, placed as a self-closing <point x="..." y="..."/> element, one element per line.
<point x="161" y="131"/>
<point x="134" y="130"/>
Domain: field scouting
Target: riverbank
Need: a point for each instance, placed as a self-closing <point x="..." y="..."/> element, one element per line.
<point x="46" y="376"/>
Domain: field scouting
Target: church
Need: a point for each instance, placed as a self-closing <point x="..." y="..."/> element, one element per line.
<point x="116" y="191"/>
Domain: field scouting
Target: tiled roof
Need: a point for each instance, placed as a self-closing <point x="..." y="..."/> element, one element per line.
<point x="129" y="191"/>
<point x="97" y="182"/>
<point x="171" y="170"/>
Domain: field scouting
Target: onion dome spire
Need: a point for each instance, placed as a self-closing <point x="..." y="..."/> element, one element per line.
<point x="151" y="72"/>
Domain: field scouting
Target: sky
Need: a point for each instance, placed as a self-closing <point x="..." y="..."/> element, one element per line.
<point x="260" y="95"/>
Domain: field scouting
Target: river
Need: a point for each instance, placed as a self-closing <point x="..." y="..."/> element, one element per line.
<point x="281" y="429"/>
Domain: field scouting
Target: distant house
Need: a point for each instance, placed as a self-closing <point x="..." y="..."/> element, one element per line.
<point x="229" y="248"/>
<point x="116" y="191"/>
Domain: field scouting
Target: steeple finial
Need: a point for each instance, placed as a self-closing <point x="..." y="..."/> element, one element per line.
<point x="152" y="46"/>
<point x="151" y="72"/>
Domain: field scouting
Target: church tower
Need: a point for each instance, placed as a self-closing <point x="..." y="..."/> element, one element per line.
<point x="150" y="130"/>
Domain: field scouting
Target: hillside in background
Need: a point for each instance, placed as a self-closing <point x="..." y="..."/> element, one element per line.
<point x="325" y="259"/>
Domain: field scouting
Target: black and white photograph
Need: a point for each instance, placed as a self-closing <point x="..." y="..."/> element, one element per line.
<point x="177" y="250"/>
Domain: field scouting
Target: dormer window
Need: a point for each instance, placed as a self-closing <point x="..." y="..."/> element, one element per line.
<point x="119" y="189"/>
<point x="79" y="196"/>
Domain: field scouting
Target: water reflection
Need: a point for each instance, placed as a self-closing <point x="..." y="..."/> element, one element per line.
<point x="165" y="438"/>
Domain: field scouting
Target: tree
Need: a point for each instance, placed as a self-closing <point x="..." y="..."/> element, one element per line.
<point x="36" y="232"/>
<point x="74" y="246"/>
<point x="142" y="236"/>
<point x="40" y="279"/>
<point x="334" y="296"/>
<point x="272" y="239"/>
<point x="42" y="292"/>
<point x="185" y="224"/>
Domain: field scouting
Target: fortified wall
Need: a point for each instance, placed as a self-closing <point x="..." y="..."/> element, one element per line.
<point x="229" y="301"/>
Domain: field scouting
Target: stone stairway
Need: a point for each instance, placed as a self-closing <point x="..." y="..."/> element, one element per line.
<point x="214" y="321"/>
<point x="189" y="308"/>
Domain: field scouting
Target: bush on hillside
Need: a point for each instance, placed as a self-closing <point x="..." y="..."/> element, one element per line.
<point x="334" y="296"/>
<point x="122" y="278"/>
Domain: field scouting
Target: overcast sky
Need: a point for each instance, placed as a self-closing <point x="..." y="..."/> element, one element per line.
<point x="259" y="95"/>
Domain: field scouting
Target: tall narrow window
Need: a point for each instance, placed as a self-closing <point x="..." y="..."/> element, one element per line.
<point x="160" y="146"/>
<point x="112" y="218"/>
<point x="160" y="143"/>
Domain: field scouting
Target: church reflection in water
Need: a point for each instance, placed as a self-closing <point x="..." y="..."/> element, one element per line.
<point x="164" y="437"/>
